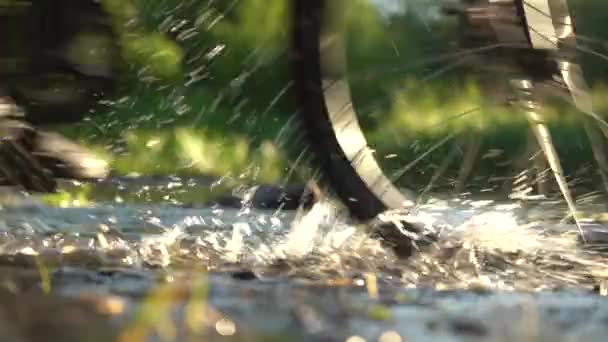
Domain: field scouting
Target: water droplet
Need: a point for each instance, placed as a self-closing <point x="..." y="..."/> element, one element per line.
<point x="225" y="327"/>
<point x="390" y="336"/>
<point x="355" y="339"/>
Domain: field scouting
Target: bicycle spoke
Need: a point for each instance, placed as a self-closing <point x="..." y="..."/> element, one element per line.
<point x="359" y="75"/>
<point x="497" y="42"/>
<point x="472" y="149"/>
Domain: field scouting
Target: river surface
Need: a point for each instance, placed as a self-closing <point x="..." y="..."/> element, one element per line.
<point x="499" y="271"/>
<point x="114" y="270"/>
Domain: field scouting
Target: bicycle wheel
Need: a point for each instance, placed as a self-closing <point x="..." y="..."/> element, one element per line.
<point x="393" y="96"/>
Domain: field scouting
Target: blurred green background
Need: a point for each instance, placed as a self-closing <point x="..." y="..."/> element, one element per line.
<point x="205" y="89"/>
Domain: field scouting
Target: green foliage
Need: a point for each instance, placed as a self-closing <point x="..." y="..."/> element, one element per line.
<point x="122" y="11"/>
<point x="380" y="313"/>
<point x="223" y="121"/>
<point x="257" y="23"/>
<point x="81" y="196"/>
<point x="188" y="151"/>
<point x="160" y="56"/>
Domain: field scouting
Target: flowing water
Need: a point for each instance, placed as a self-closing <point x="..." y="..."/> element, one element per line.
<point x="164" y="271"/>
<point x="498" y="272"/>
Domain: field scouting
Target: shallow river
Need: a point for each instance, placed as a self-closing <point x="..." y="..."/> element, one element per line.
<point x="498" y="272"/>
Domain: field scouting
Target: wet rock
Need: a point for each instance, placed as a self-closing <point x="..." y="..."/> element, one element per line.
<point x="595" y="236"/>
<point x="244" y="275"/>
<point x="289" y="197"/>
<point x="17" y="163"/>
<point x="403" y="246"/>
<point x="67" y="159"/>
<point x="33" y="159"/>
<point x="469" y="328"/>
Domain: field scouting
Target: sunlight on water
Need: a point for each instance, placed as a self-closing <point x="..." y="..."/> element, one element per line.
<point x="480" y="243"/>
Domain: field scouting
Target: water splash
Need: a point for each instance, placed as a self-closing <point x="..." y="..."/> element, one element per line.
<point x="481" y="243"/>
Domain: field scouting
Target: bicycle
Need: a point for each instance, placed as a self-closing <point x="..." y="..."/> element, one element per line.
<point x="534" y="42"/>
<point x="487" y="31"/>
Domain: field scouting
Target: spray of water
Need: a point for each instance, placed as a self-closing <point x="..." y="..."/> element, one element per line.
<point x="504" y="246"/>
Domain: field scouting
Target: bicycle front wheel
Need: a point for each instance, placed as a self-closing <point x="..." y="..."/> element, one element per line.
<point x="398" y="96"/>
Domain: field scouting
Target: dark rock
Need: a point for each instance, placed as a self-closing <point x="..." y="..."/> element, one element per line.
<point x="469" y="328"/>
<point x="595" y="237"/>
<point x="266" y="196"/>
<point x="403" y="246"/>
<point x="33" y="159"/>
<point x="432" y="326"/>
<point x="18" y="166"/>
<point x="289" y="197"/>
<point x="244" y="275"/>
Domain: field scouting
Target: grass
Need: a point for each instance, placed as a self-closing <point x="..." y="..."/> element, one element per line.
<point x="181" y="132"/>
<point x="225" y="124"/>
<point x="162" y="132"/>
<point x="187" y="132"/>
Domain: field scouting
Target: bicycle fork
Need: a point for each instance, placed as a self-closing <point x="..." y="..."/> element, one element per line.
<point x="555" y="33"/>
<point x="541" y="36"/>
